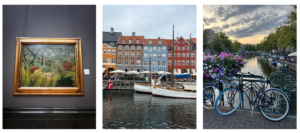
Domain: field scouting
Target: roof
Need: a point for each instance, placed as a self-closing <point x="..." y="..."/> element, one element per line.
<point x="108" y="37"/>
<point x="155" y="42"/>
<point x="133" y="38"/>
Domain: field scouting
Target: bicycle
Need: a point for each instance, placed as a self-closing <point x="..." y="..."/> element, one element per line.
<point x="272" y="103"/>
<point x="210" y="93"/>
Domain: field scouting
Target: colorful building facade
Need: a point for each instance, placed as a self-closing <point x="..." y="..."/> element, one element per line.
<point x="181" y="54"/>
<point x="109" y="59"/>
<point x="157" y="50"/>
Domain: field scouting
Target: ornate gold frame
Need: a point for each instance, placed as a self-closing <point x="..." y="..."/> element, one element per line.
<point x="17" y="90"/>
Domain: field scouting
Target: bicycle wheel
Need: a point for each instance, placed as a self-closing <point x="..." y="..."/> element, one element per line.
<point x="274" y="105"/>
<point x="228" y="101"/>
<point x="210" y="94"/>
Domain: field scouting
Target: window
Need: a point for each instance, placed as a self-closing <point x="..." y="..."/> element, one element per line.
<point x="138" y="55"/>
<point x="154" y="70"/>
<point x="158" y="63"/>
<point x="150" y="42"/>
<point x="174" y="54"/>
<point x="159" y="41"/>
<point x="187" y="48"/>
<point x="126" y="47"/>
<point x="145" y="47"/>
<point x="163" y="63"/>
<point x="164" y="47"/>
<point x="170" y="62"/>
<point x="150" y="55"/>
<point x="178" y="54"/>
<point x="154" y="55"/>
<point x="132" y="69"/>
<point x="123" y="40"/>
<point x="113" y="51"/>
<point x="183" y="62"/>
<point x="159" y="48"/>
<point x="104" y="60"/>
<point x="113" y="60"/>
<point x="138" y="48"/>
<point x="187" y="62"/>
<point x="178" y="48"/>
<point x="109" y="51"/>
<point x="145" y="55"/>
<point x="154" y="47"/>
<point x="108" y="60"/>
<point x="193" y="63"/>
<point x="138" y="62"/>
<point x="120" y="55"/>
<point x="138" y="41"/>
<point x="150" y="49"/>
<point x="183" y="48"/>
<point x="126" y="62"/>
<point x="163" y="55"/>
<point x="120" y="47"/>
<point x="112" y="44"/>
<point x="132" y="47"/>
<point x="145" y="63"/>
<point x="154" y="63"/>
<point x="104" y="51"/>
<point x="178" y="62"/>
<point x="126" y="55"/>
<point x="138" y="70"/>
<point x="187" y="55"/>
<point x="175" y="62"/>
<point x="132" y="55"/>
<point x="132" y="62"/>
<point x="178" y="42"/>
<point x="169" y="54"/>
<point x="158" y="55"/>
<point x="130" y="41"/>
<point x="183" y="42"/>
<point x="193" y="54"/>
<point x="120" y="62"/>
<point x="183" y="55"/>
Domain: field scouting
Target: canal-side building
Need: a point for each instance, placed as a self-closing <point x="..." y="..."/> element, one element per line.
<point x="129" y="53"/>
<point x="109" y="59"/>
<point x="157" y="50"/>
<point x="111" y="38"/>
<point x="181" y="54"/>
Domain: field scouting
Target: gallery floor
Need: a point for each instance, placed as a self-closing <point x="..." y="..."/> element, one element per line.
<point x="42" y="118"/>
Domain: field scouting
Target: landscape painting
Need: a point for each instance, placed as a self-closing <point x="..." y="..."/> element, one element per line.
<point x="48" y="65"/>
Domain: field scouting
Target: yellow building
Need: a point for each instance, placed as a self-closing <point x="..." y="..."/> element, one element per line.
<point x="109" y="59"/>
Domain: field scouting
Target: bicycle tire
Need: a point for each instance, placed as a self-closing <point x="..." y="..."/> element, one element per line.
<point x="210" y="93"/>
<point x="230" y="103"/>
<point x="281" y="101"/>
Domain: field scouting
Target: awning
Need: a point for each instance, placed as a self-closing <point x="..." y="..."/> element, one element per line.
<point x="103" y="70"/>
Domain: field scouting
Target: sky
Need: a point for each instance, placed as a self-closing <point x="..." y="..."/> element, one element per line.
<point x="245" y="23"/>
<point x="151" y="21"/>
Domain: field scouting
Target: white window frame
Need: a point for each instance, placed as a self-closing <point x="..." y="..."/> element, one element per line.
<point x="145" y="63"/>
<point x="120" y="47"/>
<point x="109" y="51"/>
<point x="183" y="54"/>
<point x="150" y="49"/>
<point x="104" y="60"/>
<point x="119" y="62"/>
<point x="183" y="48"/>
<point x="183" y="42"/>
<point x="154" y="56"/>
<point x="138" y="47"/>
<point x="113" y="51"/>
<point x="178" y="62"/>
<point x="193" y="63"/>
<point x="120" y="54"/>
<point x="187" y="62"/>
<point x="138" y="41"/>
<point x="158" y="55"/>
<point x="145" y="47"/>
<point x="169" y="54"/>
<point x="123" y="40"/>
<point x="153" y="63"/>
<point x="193" y="54"/>
<point x="108" y="60"/>
<point x="163" y="55"/>
<point x="188" y="48"/>
<point x="138" y="55"/>
<point x="145" y="55"/>
<point x="178" y="48"/>
<point x="159" y="48"/>
<point x="126" y="55"/>
<point x="138" y="62"/>
<point x="164" y="47"/>
<point x="178" y="54"/>
<point x="113" y="60"/>
<point x="158" y="63"/>
<point x="149" y="41"/>
<point x="187" y="54"/>
<point x="126" y="47"/>
<point x="182" y="62"/>
<point x="169" y="62"/>
<point x="131" y="62"/>
<point x="132" y="55"/>
<point x="104" y="51"/>
<point x="130" y="41"/>
<point x="132" y="47"/>
<point x="126" y="62"/>
<point x="159" y="42"/>
<point x="154" y="48"/>
<point x="163" y="63"/>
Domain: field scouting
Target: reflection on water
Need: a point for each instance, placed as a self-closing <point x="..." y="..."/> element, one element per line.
<point x="128" y="109"/>
<point x="258" y="66"/>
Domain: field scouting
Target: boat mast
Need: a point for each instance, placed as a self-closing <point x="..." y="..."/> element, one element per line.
<point x="172" y="78"/>
<point x="190" y="56"/>
<point x="150" y="81"/>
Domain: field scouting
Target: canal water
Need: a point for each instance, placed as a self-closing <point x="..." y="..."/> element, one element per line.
<point x="127" y="109"/>
<point x="258" y="66"/>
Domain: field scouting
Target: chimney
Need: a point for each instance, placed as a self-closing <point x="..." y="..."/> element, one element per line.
<point x="158" y="37"/>
<point x="133" y="33"/>
<point x="111" y="30"/>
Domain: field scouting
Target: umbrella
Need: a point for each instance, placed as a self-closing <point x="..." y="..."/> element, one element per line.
<point x="117" y="71"/>
<point x="293" y="54"/>
<point x="163" y="72"/>
<point x="145" y="72"/>
<point x="132" y="72"/>
<point x="194" y="74"/>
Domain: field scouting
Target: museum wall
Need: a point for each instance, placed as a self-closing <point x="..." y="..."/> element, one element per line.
<point x="49" y="22"/>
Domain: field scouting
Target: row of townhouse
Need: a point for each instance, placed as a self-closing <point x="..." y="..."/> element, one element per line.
<point x="133" y="52"/>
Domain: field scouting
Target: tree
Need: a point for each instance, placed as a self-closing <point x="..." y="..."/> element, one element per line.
<point x="221" y="41"/>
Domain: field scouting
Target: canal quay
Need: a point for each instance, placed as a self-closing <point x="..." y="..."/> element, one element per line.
<point x="241" y="118"/>
<point x="127" y="109"/>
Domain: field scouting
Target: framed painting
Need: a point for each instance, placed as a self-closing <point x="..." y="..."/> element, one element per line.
<point x="48" y="66"/>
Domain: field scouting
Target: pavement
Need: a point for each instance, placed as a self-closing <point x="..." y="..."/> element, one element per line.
<point x="241" y="119"/>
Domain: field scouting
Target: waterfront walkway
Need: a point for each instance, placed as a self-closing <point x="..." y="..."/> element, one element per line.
<point x="241" y="119"/>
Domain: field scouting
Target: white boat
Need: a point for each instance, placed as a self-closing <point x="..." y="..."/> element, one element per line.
<point x="173" y="92"/>
<point x="262" y="56"/>
<point x="144" y="88"/>
<point x="270" y="59"/>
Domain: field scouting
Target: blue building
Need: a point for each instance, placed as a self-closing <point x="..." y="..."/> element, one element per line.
<point x="157" y="49"/>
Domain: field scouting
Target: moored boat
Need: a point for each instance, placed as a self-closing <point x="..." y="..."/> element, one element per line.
<point x="173" y="92"/>
<point x="144" y="88"/>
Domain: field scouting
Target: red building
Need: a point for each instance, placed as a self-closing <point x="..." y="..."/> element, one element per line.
<point x="182" y="51"/>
